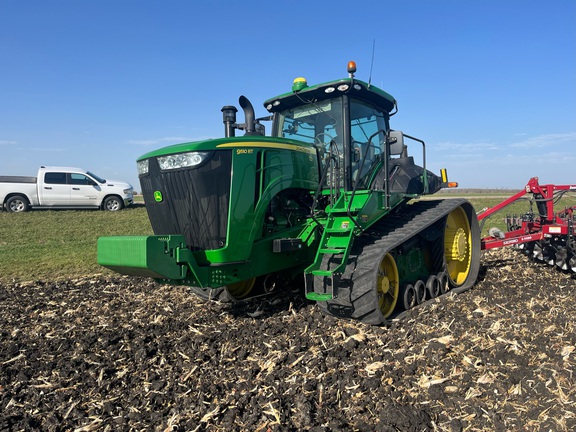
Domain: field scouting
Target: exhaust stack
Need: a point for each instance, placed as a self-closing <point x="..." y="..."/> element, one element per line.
<point x="249" y="117"/>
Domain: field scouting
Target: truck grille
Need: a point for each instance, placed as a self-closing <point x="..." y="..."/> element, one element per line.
<point x="194" y="202"/>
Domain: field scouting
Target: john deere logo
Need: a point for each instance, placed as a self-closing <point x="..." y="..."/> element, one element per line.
<point x="158" y="196"/>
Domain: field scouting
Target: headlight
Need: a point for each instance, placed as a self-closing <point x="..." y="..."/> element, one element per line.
<point x="142" y="166"/>
<point x="181" y="160"/>
<point x="127" y="191"/>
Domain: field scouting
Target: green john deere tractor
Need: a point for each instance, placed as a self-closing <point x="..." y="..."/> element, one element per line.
<point x="330" y="195"/>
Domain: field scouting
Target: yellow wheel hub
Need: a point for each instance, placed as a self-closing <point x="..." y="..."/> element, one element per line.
<point x="457" y="246"/>
<point x="388" y="285"/>
<point x="241" y="289"/>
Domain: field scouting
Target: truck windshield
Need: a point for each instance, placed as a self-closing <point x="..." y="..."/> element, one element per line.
<point x="95" y="177"/>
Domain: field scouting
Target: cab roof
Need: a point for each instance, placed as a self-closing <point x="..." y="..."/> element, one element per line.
<point x="329" y="90"/>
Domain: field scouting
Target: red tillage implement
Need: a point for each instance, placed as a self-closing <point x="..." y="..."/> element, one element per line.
<point x="544" y="234"/>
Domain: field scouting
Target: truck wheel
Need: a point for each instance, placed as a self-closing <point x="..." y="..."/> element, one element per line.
<point x="113" y="203"/>
<point x="17" y="204"/>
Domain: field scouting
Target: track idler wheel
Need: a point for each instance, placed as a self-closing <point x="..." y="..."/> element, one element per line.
<point x="387" y="284"/>
<point x="242" y="289"/>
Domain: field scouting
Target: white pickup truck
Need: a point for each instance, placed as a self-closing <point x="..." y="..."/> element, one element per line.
<point x="63" y="187"/>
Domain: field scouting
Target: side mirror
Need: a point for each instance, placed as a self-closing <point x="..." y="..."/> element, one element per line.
<point x="396" y="141"/>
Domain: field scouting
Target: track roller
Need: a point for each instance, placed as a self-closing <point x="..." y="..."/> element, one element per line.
<point x="433" y="286"/>
<point x="420" y="289"/>
<point x="409" y="297"/>
<point x="443" y="282"/>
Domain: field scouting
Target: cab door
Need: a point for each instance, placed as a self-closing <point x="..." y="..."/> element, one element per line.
<point x="55" y="191"/>
<point x="83" y="190"/>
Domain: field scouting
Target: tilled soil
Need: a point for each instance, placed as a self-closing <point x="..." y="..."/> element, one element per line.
<point x="118" y="353"/>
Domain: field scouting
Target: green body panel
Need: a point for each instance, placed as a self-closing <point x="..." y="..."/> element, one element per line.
<point x="250" y="195"/>
<point x="237" y="143"/>
<point x="263" y="169"/>
<point x="151" y="256"/>
<point x="166" y="258"/>
<point x="261" y="260"/>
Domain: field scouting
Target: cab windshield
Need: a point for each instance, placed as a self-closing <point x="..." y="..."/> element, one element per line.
<point x="321" y="124"/>
<point x="315" y="123"/>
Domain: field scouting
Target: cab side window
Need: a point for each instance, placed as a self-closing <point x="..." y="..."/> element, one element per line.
<point x="55" y="178"/>
<point x="79" y="179"/>
<point x="366" y="122"/>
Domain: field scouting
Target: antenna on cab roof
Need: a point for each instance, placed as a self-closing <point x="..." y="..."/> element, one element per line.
<point x="371" y="62"/>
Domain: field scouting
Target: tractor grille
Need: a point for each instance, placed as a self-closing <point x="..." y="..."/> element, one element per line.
<point x="194" y="202"/>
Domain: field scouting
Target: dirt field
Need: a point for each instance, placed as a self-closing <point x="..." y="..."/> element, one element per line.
<point x="119" y="353"/>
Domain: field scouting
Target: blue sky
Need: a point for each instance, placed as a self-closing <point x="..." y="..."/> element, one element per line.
<point x="490" y="85"/>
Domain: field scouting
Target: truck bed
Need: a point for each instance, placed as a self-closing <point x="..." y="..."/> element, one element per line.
<point x="17" y="179"/>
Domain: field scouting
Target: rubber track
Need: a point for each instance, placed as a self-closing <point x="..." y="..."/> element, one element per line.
<point x="357" y="297"/>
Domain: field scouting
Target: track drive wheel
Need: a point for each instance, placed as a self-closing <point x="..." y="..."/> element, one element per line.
<point x="462" y="247"/>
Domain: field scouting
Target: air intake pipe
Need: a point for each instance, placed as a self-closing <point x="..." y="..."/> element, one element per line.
<point x="229" y="119"/>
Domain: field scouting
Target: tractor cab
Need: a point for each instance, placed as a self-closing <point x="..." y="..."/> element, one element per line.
<point x="347" y="121"/>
